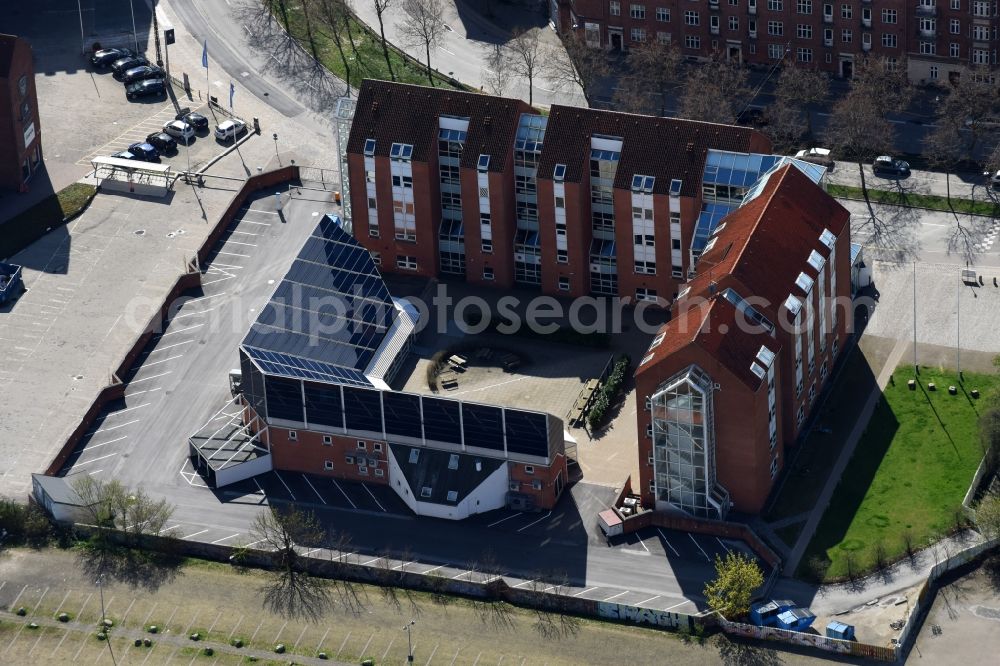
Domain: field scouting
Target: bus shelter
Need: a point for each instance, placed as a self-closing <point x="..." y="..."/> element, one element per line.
<point x="116" y="174"/>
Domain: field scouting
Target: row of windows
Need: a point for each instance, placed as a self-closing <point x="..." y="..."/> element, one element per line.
<point x="293" y="436"/>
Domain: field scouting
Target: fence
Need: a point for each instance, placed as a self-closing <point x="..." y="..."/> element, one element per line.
<point x="839" y="646"/>
<point x="190" y="280"/>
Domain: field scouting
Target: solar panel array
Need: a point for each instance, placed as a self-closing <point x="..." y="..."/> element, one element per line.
<point x="329" y="314"/>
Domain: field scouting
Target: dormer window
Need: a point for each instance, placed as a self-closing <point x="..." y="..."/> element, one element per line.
<point x="369" y="147"/>
<point x="642" y="183"/>
<point x="401" y="151"/>
<point x="484" y="163"/>
<point x="675" y="187"/>
<point x="559" y="173"/>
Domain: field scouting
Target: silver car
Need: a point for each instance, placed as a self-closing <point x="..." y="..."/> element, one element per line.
<point x="179" y="130"/>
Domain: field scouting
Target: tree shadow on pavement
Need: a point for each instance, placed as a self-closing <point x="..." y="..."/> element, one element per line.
<point x="145" y="569"/>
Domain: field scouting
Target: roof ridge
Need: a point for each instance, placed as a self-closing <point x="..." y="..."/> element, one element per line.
<point x="765" y="203"/>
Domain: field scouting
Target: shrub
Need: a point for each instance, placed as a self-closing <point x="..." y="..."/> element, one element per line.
<point x="608" y="392"/>
<point x="63" y="617"/>
<point x="153" y="629"/>
<point x="322" y="655"/>
<point x="101" y="636"/>
<point x="147" y="643"/>
<point x="137" y="642"/>
<point x="208" y="652"/>
<point x="32" y="625"/>
<point x="280" y="648"/>
<point x="237" y="642"/>
<point x="195" y="636"/>
<point x="22" y="611"/>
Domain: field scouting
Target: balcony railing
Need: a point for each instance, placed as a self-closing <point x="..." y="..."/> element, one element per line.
<point x="866" y="46"/>
<point x="753" y="34"/>
<point x="928" y="32"/>
<point x="828" y="41"/>
<point x="866" y="22"/>
<point x="924" y="10"/>
<point x="827" y="18"/>
<point x="714" y="29"/>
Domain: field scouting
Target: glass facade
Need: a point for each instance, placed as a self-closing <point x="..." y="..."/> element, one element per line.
<point x="451" y="142"/>
<point x="684" y="446"/>
<point x="527" y="249"/>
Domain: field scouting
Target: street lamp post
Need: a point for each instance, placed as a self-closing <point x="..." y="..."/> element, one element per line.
<point x="135" y="36"/>
<point x="409" y="642"/>
<point x="275" y="136"/>
<point x="83" y="42"/>
<point x="104" y="626"/>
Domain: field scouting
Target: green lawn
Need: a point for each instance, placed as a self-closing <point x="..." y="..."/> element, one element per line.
<point x="366" y="60"/>
<point x="908" y="475"/>
<point x="929" y="201"/>
<point x="24" y="229"/>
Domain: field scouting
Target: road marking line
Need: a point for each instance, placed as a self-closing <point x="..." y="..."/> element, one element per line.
<point x="226" y="538"/>
<point x="127" y="409"/>
<point x="129" y="395"/>
<point x="120" y="425"/>
<point x="440" y="566"/>
<point x="524" y="583"/>
<point x="251" y="545"/>
<point x="146" y="379"/>
<point x="589" y="589"/>
<point x="460" y="574"/>
<point x="285" y="485"/>
<point x="314" y="489"/>
<point x="723" y="545"/>
<point x="172" y="358"/>
<point x="664" y="537"/>
<point x="646" y="601"/>
<point x="159" y="349"/>
<point x="343" y="643"/>
<point x="374" y="559"/>
<point x="707" y="558"/>
<point x="686" y="601"/>
<point x="535" y="522"/>
<point x="194" y="535"/>
<point x="182" y="330"/>
<point x="234" y="254"/>
<point x="503" y="519"/>
<point x="263" y="224"/>
<point x="615" y="596"/>
<point x="110" y="441"/>
<point x="641" y="543"/>
<point x="237" y="231"/>
<point x="353" y="505"/>
<point x="373" y="496"/>
<point x="310" y="552"/>
<point x="87" y="462"/>
<point x="14" y="603"/>
<point x="232" y="242"/>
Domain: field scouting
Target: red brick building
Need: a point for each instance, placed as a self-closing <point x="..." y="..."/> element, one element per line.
<point x="729" y="382"/>
<point x="935" y="38"/>
<point x="574" y="203"/>
<point x="20" y="133"/>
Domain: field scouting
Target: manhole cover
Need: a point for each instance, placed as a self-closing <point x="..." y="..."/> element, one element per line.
<point x="139" y="232"/>
<point x="179" y="232"/>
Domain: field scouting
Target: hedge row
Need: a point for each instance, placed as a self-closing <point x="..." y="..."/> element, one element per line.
<point x="608" y="392"/>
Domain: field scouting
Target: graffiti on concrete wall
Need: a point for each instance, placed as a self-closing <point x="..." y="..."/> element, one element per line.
<point x="655" y="618"/>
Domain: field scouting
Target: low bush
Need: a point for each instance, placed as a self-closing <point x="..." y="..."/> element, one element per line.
<point x="608" y="392"/>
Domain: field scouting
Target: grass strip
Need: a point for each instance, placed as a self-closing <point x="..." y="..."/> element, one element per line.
<point x="909" y="199"/>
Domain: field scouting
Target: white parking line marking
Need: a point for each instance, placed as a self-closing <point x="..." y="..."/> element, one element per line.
<point x="589" y="589"/>
<point x="87" y="462"/>
<point x="182" y="330"/>
<point x="176" y="344"/>
<point x="234" y="254"/>
<point x="503" y="519"/>
<point x="226" y="538"/>
<point x="127" y="409"/>
<point x="353" y="505"/>
<point x="664" y="537"/>
<point x="246" y="233"/>
<point x="646" y="601"/>
<point x="440" y="566"/>
<point x="707" y="558"/>
<point x="526" y="582"/>
<point x="615" y="596"/>
<point x="314" y="489"/>
<point x="286" y="486"/>
<point x="373" y="496"/>
<point x="686" y="601"/>
<point x="251" y="545"/>
<point x="110" y="441"/>
<point x="643" y="544"/>
<point x="120" y="425"/>
<point x="129" y="395"/>
<point x="232" y="242"/>
<point x="535" y="522"/>
<point x="374" y="559"/>
<point x="723" y="545"/>
<point x="146" y="379"/>
<point x="263" y="224"/>
<point x="460" y="574"/>
<point x="172" y="358"/>
<point x="194" y="535"/>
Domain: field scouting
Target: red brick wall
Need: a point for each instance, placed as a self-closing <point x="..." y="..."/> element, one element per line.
<point x="12" y="148"/>
<point x="546" y="497"/>
<point x="308" y="454"/>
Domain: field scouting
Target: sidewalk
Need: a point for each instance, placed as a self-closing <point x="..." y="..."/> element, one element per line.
<point x="963" y="186"/>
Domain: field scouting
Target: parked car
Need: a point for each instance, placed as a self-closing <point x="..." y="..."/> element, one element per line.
<point x="230" y="129"/>
<point x="105" y="57"/>
<point x="819" y="156"/>
<point x="195" y="120"/>
<point x="124" y="155"/>
<point x="179" y="130"/>
<point x="162" y="141"/>
<point x="122" y="65"/>
<point x="143" y="72"/>
<point x="889" y="167"/>
<point x="993" y="178"/>
<point x="144" y="151"/>
<point x="145" y="88"/>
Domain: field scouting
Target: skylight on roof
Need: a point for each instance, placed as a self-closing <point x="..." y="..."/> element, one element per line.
<point x="559" y="173"/>
<point x="657" y="340"/>
<point x="765" y="356"/>
<point x="401" y="151"/>
<point x="426" y="491"/>
<point x="804" y="282"/>
<point x="827" y="238"/>
<point x="757" y="370"/>
<point x="369" y="147"/>
<point x="647" y="359"/>
<point x="710" y="244"/>
<point x="453" y="461"/>
<point x="642" y="183"/>
<point x="719" y="228"/>
<point x="484" y="162"/>
<point x="675" y="187"/>
<point x="816" y="260"/>
<point x="452" y="495"/>
<point x="793" y="304"/>
<point x="414" y="456"/>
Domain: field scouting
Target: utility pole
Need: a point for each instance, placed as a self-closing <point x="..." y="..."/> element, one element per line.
<point x="958" y="332"/>
<point x="409" y="642"/>
<point x="83" y="41"/>
<point x="916" y="369"/>
<point x="135" y="36"/>
<point x="156" y="38"/>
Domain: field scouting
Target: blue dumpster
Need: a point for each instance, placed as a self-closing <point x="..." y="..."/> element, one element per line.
<point x="11" y="285"/>
<point x="840" y="630"/>
<point x="765" y="613"/>
<point x="796" y="619"/>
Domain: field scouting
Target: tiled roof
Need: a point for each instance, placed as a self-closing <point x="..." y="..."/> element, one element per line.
<point x="402" y="113"/>
<point x="666" y="148"/>
<point x="7" y="43"/>
<point x="766" y="242"/>
<point x="434" y="470"/>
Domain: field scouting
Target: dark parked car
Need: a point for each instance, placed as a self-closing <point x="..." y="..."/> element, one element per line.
<point x="124" y="155"/>
<point x="122" y="65"/>
<point x="889" y="167"/>
<point x="145" y="88"/>
<point x="105" y="57"/>
<point x="144" y="151"/>
<point x="195" y="120"/>
<point x="143" y="72"/>
<point x="162" y="141"/>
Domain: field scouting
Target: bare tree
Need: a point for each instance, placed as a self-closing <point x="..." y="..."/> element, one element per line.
<point x="656" y="67"/>
<point x="333" y="17"/>
<point x="632" y="96"/>
<point x="798" y="88"/>
<point x="786" y="125"/>
<point x="381" y="7"/>
<point x="498" y="71"/>
<point x="424" y="27"/>
<point x="290" y="591"/>
<point x="526" y="55"/>
<point x="113" y="506"/>
<point x="714" y="92"/>
<point x="574" y="64"/>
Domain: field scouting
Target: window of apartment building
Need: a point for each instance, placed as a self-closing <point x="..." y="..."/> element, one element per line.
<point x="536" y="484"/>
<point x="406" y="263"/>
<point x="734" y="23"/>
<point x="980" y="57"/>
<point x="638" y="35"/>
<point x="328" y="465"/>
<point x="889" y="40"/>
<point x="846" y="36"/>
<point x="775" y="28"/>
<point x="370" y="175"/>
<point x="713" y="22"/>
<point x="980" y="33"/>
<point x="637" y="11"/>
<point x="663" y="14"/>
<point x="327" y="440"/>
<point x="928" y="24"/>
<point x="562" y="256"/>
<point x="956" y="5"/>
<point x="954" y="50"/>
<point x="645" y="267"/>
<point x="775" y="51"/>
<point x="774" y="467"/>
<point x="889" y="16"/>
<point x="293" y="436"/>
<point x="753" y="47"/>
<point x="800" y="416"/>
<point x="377" y="258"/>
<point x="379" y="472"/>
<point x="846" y="11"/>
<point x="932" y="72"/>
<point x="563" y="284"/>
<point x="402" y="181"/>
<point x="692" y="42"/>
<point x="663" y="37"/>
<point x="804" y="55"/>
<point x="928" y="48"/>
<point x="752" y="27"/>
<point x="774" y="5"/>
<point x="981" y="8"/>
<point x="401" y="152"/>
<point x="362" y="445"/>
<point x="691" y="18"/>
<point x="349" y="460"/>
<point x="615" y="8"/>
<point x="487" y="273"/>
<point x="828" y="36"/>
<point x="649" y="428"/>
<point x="804" y="31"/>
<point x="804" y="6"/>
<point x="955" y="27"/>
<point x="487" y="246"/>
<point x="369" y="147"/>
<point x="645" y="294"/>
